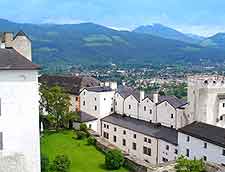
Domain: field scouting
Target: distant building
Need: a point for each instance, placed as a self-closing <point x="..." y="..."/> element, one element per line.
<point x="206" y="97"/>
<point x="71" y="84"/>
<point x="202" y="141"/>
<point x="19" y="100"/>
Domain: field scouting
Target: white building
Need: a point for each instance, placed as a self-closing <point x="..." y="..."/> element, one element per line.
<point x="19" y="101"/>
<point x="149" y="142"/>
<point x="97" y="102"/>
<point x="202" y="141"/>
<point x="206" y="96"/>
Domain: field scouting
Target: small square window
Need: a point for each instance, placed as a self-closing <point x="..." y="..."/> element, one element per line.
<point x="144" y="108"/>
<point x="104" y="125"/>
<point x="129" y="107"/>
<point x="115" y="129"/>
<point x="221" y="118"/>
<point x="205" y="158"/>
<point x="145" y="139"/>
<point x="83" y="103"/>
<point x="134" y="136"/>
<point x="107" y="126"/>
<point x="188" y="138"/>
<point x="205" y="145"/>
<point x="149" y="141"/>
<point x="167" y="147"/>
<point x="171" y="126"/>
<point x="124" y="132"/>
<point x="134" y="146"/>
<point x="171" y="116"/>
<point x="223" y="153"/>
<point x="150" y="111"/>
<point x="104" y="98"/>
<point x="95" y="98"/>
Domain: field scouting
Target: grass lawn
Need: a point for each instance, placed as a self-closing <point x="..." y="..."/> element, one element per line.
<point x="84" y="158"/>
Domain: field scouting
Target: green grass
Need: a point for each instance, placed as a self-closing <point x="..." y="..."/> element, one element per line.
<point x="84" y="158"/>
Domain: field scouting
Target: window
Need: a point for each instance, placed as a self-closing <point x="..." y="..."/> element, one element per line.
<point x="187" y="152"/>
<point x="149" y="141"/>
<point x="114" y="139"/>
<point x="144" y="108"/>
<point x="115" y="129"/>
<point x="221" y="118"/>
<point x="83" y="103"/>
<point x="205" y="158"/>
<point x="104" y="98"/>
<point x="111" y="109"/>
<point x="145" y="139"/>
<point x="164" y="159"/>
<point x="167" y="147"/>
<point x="150" y="111"/>
<point x="134" y="136"/>
<point x="224" y="105"/>
<point x="84" y="93"/>
<point x="77" y="99"/>
<point x="147" y="151"/>
<point x="124" y="132"/>
<point x="89" y="126"/>
<point x="165" y="103"/>
<point x="106" y="135"/>
<point x="124" y="142"/>
<point x="129" y="107"/>
<point x="176" y="151"/>
<point x="223" y="153"/>
<point x="171" y="126"/>
<point x="188" y="138"/>
<point x="95" y="108"/>
<point x="95" y="98"/>
<point x="104" y="125"/>
<point x="205" y="145"/>
<point x="171" y="116"/>
<point x="134" y="146"/>
<point x="107" y="126"/>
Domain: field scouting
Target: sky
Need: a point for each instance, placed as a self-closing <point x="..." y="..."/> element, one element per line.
<point x="202" y="17"/>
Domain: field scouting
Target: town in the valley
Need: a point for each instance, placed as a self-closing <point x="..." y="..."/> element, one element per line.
<point x="150" y="128"/>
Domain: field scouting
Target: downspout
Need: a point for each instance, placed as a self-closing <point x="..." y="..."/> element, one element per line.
<point x="157" y="152"/>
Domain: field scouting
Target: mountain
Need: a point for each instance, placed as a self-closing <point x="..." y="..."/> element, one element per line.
<point x="166" y="32"/>
<point x="89" y="43"/>
<point x="216" y="41"/>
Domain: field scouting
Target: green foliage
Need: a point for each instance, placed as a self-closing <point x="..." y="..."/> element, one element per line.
<point x="61" y="163"/>
<point x="83" y="127"/>
<point x="56" y="102"/>
<point x="114" y="159"/>
<point x="179" y="90"/>
<point x="81" y="135"/>
<point x="91" y="140"/>
<point x="44" y="163"/>
<point x="185" y="165"/>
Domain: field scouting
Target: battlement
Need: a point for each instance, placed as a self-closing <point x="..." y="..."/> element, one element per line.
<point x="207" y="81"/>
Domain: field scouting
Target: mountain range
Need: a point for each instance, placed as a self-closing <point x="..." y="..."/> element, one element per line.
<point x="89" y="43"/>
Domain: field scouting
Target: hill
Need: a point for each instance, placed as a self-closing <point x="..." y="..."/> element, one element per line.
<point x="89" y="43"/>
<point x="166" y="32"/>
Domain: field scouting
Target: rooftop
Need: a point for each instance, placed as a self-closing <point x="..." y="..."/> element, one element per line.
<point x="99" y="89"/>
<point x="72" y="84"/>
<point x="85" y="117"/>
<point x="10" y="59"/>
<point x="206" y="132"/>
<point x="150" y="129"/>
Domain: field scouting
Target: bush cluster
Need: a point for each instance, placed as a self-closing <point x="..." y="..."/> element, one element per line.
<point x="114" y="159"/>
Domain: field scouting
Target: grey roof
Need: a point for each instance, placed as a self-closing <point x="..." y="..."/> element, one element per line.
<point x="72" y="84"/>
<point x="149" y="129"/>
<point x="99" y="89"/>
<point x="206" y="132"/>
<point x="173" y="100"/>
<point x="124" y="91"/>
<point x="10" y="59"/>
<point x="85" y="117"/>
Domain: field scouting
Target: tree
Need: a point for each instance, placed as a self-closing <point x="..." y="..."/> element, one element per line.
<point x="114" y="159"/>
<point x="56" y="103"/>
<point x="83" y="127"/>
<point x="61" y="163"/>
<point x="44" y="163"/>
<point x="91" y="140"/>
<point x="185" y="165"/>
<point x="81" y="135"/>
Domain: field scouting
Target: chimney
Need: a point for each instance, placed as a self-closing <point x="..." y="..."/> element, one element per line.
<point x="113" y="85"/>
<point x="156" y="98"/>
<point x="142" y="95"/>
<point x="107" y="84"/>
<point x="8" y="39"/>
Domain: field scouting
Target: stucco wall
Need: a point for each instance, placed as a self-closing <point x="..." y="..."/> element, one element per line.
<point x="19" y="120"/>
<point x="119" y="104"/>
<point x="149" y="113"/>
<point x="134" y="106"/>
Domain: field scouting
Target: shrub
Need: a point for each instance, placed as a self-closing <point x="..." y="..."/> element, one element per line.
<point x="44" y="163"/>
<point x="114" y="159"/>
<point x="83" y="127"/>
<point x="91" y="140"/>
<point x="61" y="164"/>
<point x="184" y="165"/>
<point x="81" y="135"/>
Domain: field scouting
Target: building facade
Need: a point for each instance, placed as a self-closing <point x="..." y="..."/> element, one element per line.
<point x="19" y="101"/>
